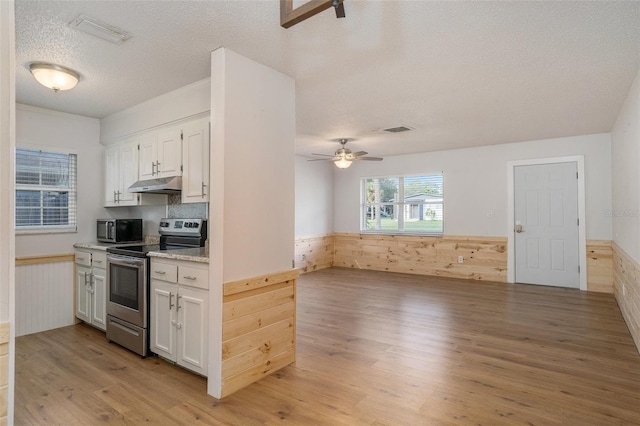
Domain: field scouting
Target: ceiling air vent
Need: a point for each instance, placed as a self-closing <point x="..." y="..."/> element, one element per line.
<point x="398" y="129"/>
<point x="99" y="29"/>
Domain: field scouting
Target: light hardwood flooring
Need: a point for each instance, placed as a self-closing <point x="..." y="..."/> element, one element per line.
<point x="374" y="348"/>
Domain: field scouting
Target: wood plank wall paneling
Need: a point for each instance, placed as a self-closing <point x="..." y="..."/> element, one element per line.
<point x="626" y="288"/>
<point x="4" y="370"/>
<point x="485" y="258"/>
<point x="313" y="253"/>
<point x="599" y="266"/>
<point x="44" y="296"/>
<point x="258" y="328"/>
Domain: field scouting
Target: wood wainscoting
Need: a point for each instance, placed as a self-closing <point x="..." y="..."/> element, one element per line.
<point x="485" y="258"/>
<point x="4" y="371"/>
<point x="626" y="288"/>
<point x="599" y="266"/>
<point x="258" y="328"/>
<point x="313" y="253"/>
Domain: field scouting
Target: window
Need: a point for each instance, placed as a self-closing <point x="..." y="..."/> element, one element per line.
<point x="402" y="205"/>
<point x="45" y="191"/>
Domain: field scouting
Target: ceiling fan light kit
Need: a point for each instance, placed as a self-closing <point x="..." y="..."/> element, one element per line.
<point x="343" y="157"/>
<point x="55" y="77"/>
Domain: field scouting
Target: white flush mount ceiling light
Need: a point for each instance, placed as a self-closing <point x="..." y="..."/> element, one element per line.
<point x="99" y="29"/>
<point x="55" y="77"/>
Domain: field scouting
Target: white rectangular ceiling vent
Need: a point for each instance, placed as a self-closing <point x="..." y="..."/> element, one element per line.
<point x="99" y="29"/>
<point x="397" y="129"/>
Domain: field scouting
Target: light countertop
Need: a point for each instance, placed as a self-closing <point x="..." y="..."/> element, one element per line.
<point x="198" y="254"/>
<point x="96" y="245"/>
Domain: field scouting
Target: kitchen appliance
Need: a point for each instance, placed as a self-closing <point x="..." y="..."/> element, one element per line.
<point x="128" y="281"/>
<point x="119" y="230"/>
<point x="167" y="185"/>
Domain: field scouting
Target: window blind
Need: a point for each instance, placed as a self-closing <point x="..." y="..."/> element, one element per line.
<point x="45" y="190"/>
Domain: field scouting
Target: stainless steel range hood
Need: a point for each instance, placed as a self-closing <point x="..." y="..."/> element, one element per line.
<point x="168" y="185"/>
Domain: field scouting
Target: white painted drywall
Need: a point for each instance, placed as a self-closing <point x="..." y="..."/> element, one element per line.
<point x="475" y="183"/>
<point x="314" y="197"/>
<point x="252" y="181"/>
<point x="625" y="165"/>
<point x="187" y="101"/>
<point x="46" y="129"/>
<point x="7" y="262"/>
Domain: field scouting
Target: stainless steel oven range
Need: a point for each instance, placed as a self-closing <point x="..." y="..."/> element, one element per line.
<point x="128" y="281"/>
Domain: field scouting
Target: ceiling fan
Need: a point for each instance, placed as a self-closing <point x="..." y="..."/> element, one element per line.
<point x="343" y="156"/>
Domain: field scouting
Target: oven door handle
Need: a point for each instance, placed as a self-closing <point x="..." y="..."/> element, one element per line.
<point x="125" y="260"/>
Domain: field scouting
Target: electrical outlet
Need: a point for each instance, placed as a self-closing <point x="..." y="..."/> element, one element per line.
<point x="460" y="259"/>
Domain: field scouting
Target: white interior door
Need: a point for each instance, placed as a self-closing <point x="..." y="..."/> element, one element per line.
<point x="546" y="224"/>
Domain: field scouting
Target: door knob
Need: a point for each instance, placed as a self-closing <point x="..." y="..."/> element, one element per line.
<point x="519" y="228"/>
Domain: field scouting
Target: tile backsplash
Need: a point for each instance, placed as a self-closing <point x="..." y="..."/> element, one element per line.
<point x="175" y="208"/>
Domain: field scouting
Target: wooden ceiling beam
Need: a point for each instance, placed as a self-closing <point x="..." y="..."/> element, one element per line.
<point x="290" y="16"/>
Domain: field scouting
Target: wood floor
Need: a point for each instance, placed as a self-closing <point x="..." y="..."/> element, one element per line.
<point x="374" y="348"/>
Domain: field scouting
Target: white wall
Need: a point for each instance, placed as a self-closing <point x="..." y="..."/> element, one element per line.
<point x="625" y="165"/>
<point x="187" y="101"/>
<point x="42" y="128"/>
<point x="314" y="197"/>
<point x="252" y="209"/>
<point x="475" y="183"/>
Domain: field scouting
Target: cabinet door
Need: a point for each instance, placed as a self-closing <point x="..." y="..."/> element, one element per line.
<point x="128" y="173"/>
<point x="163" y="319"/>
<point x="148" y="157"/>
<point x="195" y="157"/>
<point x="99" y="298"/>
<point x="193" y="329"/>
<point x="111" y="175"/>
<point x="169" y="160"/>
<point x="83" y="297"/>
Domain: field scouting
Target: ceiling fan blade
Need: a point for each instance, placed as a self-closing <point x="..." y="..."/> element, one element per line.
<point x="369" y="158"/>
<point x="322" y="155"/>
<point x="359" y="153"/>
<point x="339" y="9"/>
<point x="321" y="159"/>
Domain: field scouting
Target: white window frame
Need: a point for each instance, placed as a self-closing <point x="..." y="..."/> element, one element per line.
<point x="399" y="205"/>
<point x="72" y="189"/>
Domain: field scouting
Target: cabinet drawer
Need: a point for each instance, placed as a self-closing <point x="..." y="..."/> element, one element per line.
<point x="99" y="260"/>
<point x="164" y="272"/>
<point x="83" y="258"/>
<point x="194" y="277"/>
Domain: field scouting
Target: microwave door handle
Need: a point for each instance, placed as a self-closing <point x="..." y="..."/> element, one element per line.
<point x="110" y="231"/>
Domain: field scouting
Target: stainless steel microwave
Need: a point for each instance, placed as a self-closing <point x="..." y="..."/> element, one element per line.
<point x="119" y="230"/>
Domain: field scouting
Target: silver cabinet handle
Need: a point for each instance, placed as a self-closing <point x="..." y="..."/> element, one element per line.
<point x="178" y="297"/>
<point x="188" y="277"/>
<point x="97" y="261"/>
<point x="114" y="197"/>
<point x="157" y="167"/>
<point x="153" y="169"/>
<point x="159" y="272"/>
<point x="203" y="187"/>
<point x="80" y="258"/>
<point x="85" y="279"/>
<point x="170" y="298"/>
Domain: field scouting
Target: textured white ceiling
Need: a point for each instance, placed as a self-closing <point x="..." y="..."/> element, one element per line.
<point x="461" y="73"/>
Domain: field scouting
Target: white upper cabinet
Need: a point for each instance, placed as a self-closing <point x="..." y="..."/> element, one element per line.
<point x="121" y="171"/>
<point x="161" y="154"/>
<point x="195" y="157"/>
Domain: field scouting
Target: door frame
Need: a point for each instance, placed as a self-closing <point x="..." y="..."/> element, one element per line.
<point x="582" y="238"/>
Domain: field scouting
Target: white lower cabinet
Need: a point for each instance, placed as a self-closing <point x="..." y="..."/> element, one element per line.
<point x="179" y="313"/>
<point x="91" y="287"/>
